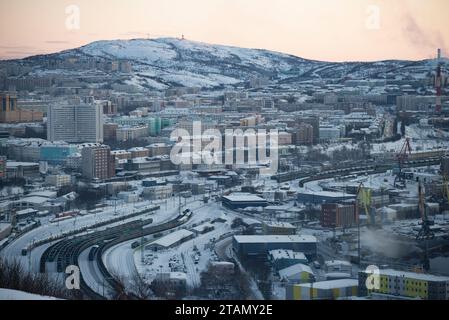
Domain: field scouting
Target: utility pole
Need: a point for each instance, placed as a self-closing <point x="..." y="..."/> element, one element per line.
<point x="358" y="239"/>
<point x="425" y="233"/>
<point x="141" y="247"/>
<point x="311" y="291"/>
<point x="29" y="259"/>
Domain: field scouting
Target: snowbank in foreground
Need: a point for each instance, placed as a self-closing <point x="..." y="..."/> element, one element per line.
<point x="9" y="294"/>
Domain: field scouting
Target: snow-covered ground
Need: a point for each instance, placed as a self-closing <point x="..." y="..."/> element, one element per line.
<point x="171" y="62"/>
<point x="420" y="140"/>
<point x="9" y="294"/>
<point x="183" y="256"/>
<point x="119" y="258"/>
<point x="92" y="275"/>
<point x="48" y="230"/>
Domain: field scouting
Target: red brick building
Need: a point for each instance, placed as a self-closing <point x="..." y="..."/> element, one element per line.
<point x="336" y="215"/>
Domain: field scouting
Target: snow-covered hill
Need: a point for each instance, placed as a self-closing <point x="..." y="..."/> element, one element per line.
<point x="164" y="62"/>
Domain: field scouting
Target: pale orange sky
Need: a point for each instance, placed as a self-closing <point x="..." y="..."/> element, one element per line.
<point x="331" y="30"/>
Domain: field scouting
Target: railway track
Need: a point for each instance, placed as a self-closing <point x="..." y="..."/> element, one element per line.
<point x="386" y="165"/>
<point x="113" y="283"/>
<point x="372" y="169"/>
<point x="67" y="251"/>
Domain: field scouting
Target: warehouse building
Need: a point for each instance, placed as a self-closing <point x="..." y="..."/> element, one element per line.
<point x="320" y="197"/>
<point x="203" y="228"/>
<point x="221" y="267"/>
<point x="158" y="192"/>
<point x="260" y="245"/>
<point x="281" y="259"/>
<point x="5" y="230"/>
<point x="19" y="170"/>
<point x="34" y="202"/>
<point x="243" y="200"/>
<point x="171" y="240"/>
<point x="297" y="273"/>
<point x="407" y="284"/>
<point x="278" y="228"/>
<point x="332" y="266"/>
<point x="26" y="214"/>
<point x="323" y="290"/>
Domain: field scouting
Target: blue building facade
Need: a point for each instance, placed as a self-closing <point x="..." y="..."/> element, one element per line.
<point x="57" y="154"/>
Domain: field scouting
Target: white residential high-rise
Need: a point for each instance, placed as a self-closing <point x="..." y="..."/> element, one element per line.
<point x="75" y="123"/>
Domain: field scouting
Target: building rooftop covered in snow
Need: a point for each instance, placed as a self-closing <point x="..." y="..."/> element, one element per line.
<point x="282" y="258"/>
<point x="170" y="240"/>
<point x="320" y="197"/>
<point x="258" y="245"/>
<point x="297" y="273"/>
<point x="243" y="200"/>
<point x="323" y="290"/>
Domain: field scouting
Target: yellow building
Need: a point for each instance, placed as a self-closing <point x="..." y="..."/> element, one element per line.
<point x="10" y="113"/>
<point x="323" y="290"/>
<point x="407" y="284"/>
<point x="297" y="273"/>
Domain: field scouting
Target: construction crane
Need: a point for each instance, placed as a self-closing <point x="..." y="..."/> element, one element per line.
<point x="425" y="233"/>
<point x="401" y="157"/>
<point x="446" y="192"/>
<point x="364" y="198"/>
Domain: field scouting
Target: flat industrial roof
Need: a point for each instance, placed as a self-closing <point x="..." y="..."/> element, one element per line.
<point x="330" y="263"/>
<point x="327" y="194"/>
<point x="172" y="238"/>
<point x="203" y="226"/>
<point x="286" y="254"/>
<point x="13" y="164"/>
<point x="279" y="224"/>
<point x="44" y="193"/>
<point x="25" y="211"/>
<point x="332" y="284"/>
<point x="245" y="197"/>
<point x="294" y="269"/>
<point x="33" y="199"/>
<point x="414" y="275"/>
<point x="4" y="226"/>
<point x="274" y="238"/>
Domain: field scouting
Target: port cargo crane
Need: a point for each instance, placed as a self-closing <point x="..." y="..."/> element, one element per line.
<point x="401" y="157"/>
<point x="364" y="198"/>
<point x="425" y="233"/>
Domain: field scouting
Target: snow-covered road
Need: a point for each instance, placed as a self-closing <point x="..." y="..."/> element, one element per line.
<point x="13" y="250"/>
<point x="159" y="262"/>
<point x="92" y="275"/>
